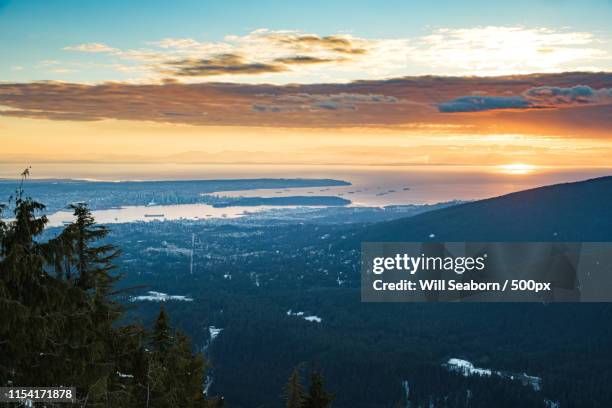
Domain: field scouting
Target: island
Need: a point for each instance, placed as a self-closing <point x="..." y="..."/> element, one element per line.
<point x="327" y="201"/>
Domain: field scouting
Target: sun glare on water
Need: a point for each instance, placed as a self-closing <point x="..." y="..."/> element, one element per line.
<point x="517" y="168"/>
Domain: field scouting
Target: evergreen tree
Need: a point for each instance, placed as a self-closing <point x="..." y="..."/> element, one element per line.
<point x="93" y="264"/>
<point x="31" y="302"/>
<point x="175" y="375"/>
<point x="317" y="396"/>
<point x="294" y="390"/>
<point x="161" y="336"/>
<point x="295" y="396"/>
<point x="87" y="268"/>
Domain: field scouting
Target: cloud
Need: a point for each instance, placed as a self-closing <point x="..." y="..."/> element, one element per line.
<point x="495" y="50"/>
<point x="277" y="51"/>
<point x="341" y="97"/>
<point x="219" y="65"/>
<point x="305" y="60"/>
<point x="344" y="44"/>
<point x="533" y="98"/>
<point x="476" y="103"/>
<point x="261" y="52"/>
<point x="257" y="107"/>
<point x="179" y="43"/>
<point x="398" y="103"/>
<point x="314" y="102"/>
<point x="258" y="52"/>
<point x="91" y="48"/>
<point x="553" y="96"/>
<point x="290" y="56"/>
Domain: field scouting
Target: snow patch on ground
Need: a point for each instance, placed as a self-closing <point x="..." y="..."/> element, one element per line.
<point x="467" y="369"/>
<point x="214" y="332"/>
<point x="159" y="297"/>
<point x="406" y="388"/>
<point x="534" y="382"/>
<point x="170" y="249"/>
<point x="310" y="318"/>
<point x="207" y="383"/>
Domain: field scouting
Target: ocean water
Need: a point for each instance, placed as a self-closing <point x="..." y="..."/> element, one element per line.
<point x="134" y="213"/>
<point x="370" y="185"/>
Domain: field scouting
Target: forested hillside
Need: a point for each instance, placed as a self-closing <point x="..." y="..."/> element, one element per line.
<point x="571" y="212"/>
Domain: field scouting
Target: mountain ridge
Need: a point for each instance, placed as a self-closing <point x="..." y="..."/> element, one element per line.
<point x="576" y="211"/>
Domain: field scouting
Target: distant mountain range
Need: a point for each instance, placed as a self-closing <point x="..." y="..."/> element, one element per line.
<point x="580" y="211"/>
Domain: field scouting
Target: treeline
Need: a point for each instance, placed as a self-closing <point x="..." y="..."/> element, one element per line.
<point x="61" y="324"/>
<point x="296" y="396"/>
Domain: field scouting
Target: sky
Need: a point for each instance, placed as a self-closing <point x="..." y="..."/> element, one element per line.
<point x="343" y="82"/>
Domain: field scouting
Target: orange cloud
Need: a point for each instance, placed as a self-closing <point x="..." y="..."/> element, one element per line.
<point x="400" y="102"/>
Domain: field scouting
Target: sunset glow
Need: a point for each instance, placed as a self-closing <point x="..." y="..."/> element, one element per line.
<point x="517" y="168"/>
<point x="326" y="94"/>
